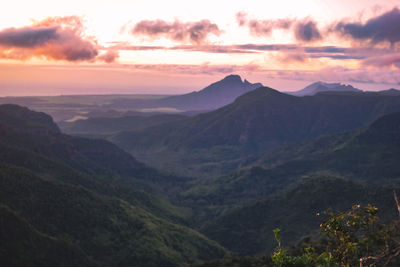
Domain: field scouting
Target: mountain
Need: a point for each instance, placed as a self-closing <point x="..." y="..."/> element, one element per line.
<point x="214" y="96"/>
<point x="90" y="194"/>
<point x="288" y="188"/>
<point x="390" y="92"/>
<point x="257" y="122"/>
<point x="249" y="229"/>
<point x="319" y="87"/>
<point x="368" y="155"/>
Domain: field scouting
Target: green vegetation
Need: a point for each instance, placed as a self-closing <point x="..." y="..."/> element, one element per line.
<point x="363" y="159"/>
<point x="65" y="107"/>
<point x="280" y="258"/>
<point x="22" y="245"/>
<point x="245" y="229"/>
<point x="105" y="127"/>
<point x="93" y="195"/>
<point x="258" y="122"/>
<point x="353" y="238"/>
<point x="102" y="207"/>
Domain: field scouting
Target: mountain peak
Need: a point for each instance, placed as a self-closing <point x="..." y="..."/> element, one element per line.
<point x="319" y="87"/>
<point x="259" y="94"/>
<point x="215" y="95"/>
<point x="233" y="78"/>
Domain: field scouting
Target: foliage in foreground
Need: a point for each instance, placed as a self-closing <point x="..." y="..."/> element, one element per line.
<point x="355" y="238"/>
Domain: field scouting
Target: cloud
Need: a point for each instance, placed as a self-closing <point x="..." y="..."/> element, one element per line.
<point x="383" y="28"/>
<point x="59" y="38"/>
<point x="290" y="57"/>
<point x="335" y="74"/>
<point x="391" y="60"/>
<point x="205" y="68"/>
<point x="293" y="52"/>
<point x="262" y="27"/>
<point x="27" y="37"/>
<point x="307" y="31"/>
<point x="192" y="32"/>
<point x="329" y="74"/>
<point x="218" y="49"/>
<point x="109" y="56"/>
<point x="241" y="18"/>
<point x="304" y="30"/>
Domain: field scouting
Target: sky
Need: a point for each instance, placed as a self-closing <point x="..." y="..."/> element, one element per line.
<point x="52" y="47"/>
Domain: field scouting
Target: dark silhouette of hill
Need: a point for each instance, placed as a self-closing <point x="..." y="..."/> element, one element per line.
<point x="257" y="122"/>
<point x="248" y="229"/>
<point x="92" y="194"/>
<point x="214" y="96"/>
<point x="368" y="155"/>
<point x="22" y="245"/>
<point x="287" y="189"/>
<point x="366" y="160"/>
<point x="390" y="92"/>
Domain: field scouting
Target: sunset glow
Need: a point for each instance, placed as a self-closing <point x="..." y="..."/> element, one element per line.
<point x="168" y="47"/>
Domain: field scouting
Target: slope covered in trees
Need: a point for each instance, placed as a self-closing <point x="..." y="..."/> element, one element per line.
<point x="92" y="194"/>
<point x="257" y="122"/>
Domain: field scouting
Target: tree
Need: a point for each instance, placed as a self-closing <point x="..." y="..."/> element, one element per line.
<point x="355" y="238"/>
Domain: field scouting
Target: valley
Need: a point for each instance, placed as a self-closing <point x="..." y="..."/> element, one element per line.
<point x="123" y="186"/>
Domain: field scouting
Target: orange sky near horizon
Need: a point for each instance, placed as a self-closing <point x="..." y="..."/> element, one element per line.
<point x="170" y="47"/>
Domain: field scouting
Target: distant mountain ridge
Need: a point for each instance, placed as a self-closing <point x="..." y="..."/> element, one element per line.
<point x="216" y="95"/>
<point x="295" y="183"/>
<point x="258" y="121"/>
<point x="319" y="87"/>
<point x="368" y="155"/>
<point x="390" y="92"/>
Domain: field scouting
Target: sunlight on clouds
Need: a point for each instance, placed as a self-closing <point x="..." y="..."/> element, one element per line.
<point x="223" y="46"/>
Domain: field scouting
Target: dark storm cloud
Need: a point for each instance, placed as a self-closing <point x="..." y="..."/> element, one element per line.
<point x="383" y="28"/>
<point x="193" y="32"/>
<point x="307" y="31"/>
<point x="55" y="38"/>
<point x="27" y="37"/>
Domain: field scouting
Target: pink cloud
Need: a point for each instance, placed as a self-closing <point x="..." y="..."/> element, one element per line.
<point x="304" y="30"/>
<point x="55" y="38"/>
<point x="262" y="27"/>
<point x="192" y="32"/>
<point x="338" y="74"/>
<point x="389" y="60"/>
<point x="204" y="68"/>
<point x="109" y="57"/>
